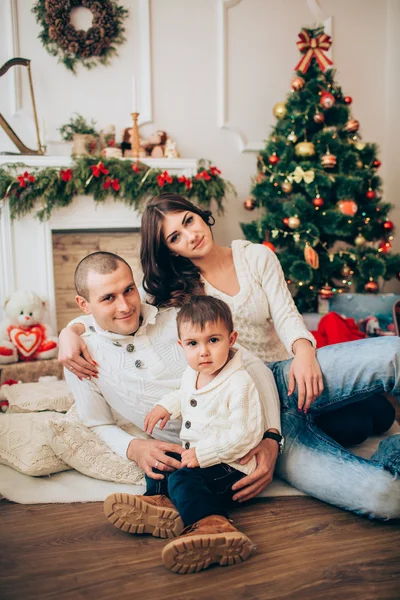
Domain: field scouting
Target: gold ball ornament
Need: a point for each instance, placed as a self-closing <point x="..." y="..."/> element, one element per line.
<point x="347" y="207"/>
<point x="279" y="110"/>
<point x="292" y="137"/>
<point x="294" y="222"/>
<point x="351" y="126"/>
<point x="249" y="204"/>
<point x="287" y="187"/>
<point x="298" y="84"/>
<point x="328" y="160"/>
<point x="304" y="149"/>
<point x="360" y="240"/>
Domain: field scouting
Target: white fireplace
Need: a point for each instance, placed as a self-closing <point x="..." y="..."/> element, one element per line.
<point x="26" y="251"/>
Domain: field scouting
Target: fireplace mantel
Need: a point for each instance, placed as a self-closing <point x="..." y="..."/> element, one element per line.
<point x="26" y="254"/>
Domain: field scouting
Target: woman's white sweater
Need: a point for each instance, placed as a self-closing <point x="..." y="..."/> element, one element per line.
<point x="264" y="313"/>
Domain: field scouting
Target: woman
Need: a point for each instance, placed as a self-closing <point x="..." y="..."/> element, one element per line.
<point x="179" y="258"/>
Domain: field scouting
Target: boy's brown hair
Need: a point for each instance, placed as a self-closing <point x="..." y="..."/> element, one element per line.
<point x="200" y="310"/>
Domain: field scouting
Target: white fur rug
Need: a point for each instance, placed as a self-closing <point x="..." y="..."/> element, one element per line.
<point x="71" y="486"/>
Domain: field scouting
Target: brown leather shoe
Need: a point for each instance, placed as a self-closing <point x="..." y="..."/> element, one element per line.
<point x="143" y="514"/>
<point x="210" y="540"/>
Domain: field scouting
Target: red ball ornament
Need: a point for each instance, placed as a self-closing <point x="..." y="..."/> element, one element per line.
<point x="347" y="207"/>
<point x="351" y="126"/>
<point x="249" y="204"/>
<point x="348" y="99"/>
<point x="269" y="245"/>
<point x="384" y="247"/>
<point x="328" y="160"/>
<point x="285" y="221"/>
<point x="388" y="225"/>
<point x="327" y="100"/>
<point x="371" y="287"/>
<point x="297" y="84"/>
<point x="376" y="164"/>
<point x="370" y="194"/>
<point x="326" y="292"/>
<point x="319" y="117"/>
<point x="318" y="202"/>
<point x="273" y="159"/>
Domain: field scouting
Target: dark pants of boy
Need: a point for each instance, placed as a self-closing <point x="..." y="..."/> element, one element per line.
<point x="196" y="493"/>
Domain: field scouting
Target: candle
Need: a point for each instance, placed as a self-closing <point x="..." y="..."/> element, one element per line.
<point x="134" y="107"/>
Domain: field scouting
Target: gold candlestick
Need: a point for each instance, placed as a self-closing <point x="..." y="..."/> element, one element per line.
<point x="135" y="145"/>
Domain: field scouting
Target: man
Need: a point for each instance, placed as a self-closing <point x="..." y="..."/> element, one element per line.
<point x="139" y="361"/>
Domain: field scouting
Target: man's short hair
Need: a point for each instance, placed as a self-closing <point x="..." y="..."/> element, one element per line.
<point x="201" y="310"/>
<point x="99" y="262"/>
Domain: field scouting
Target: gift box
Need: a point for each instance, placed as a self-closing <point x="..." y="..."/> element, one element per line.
<point x="360" y="306"/>
<point x="30" y="371"/>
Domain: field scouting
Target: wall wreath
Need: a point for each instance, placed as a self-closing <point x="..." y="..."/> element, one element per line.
<point x="73" y="46"/>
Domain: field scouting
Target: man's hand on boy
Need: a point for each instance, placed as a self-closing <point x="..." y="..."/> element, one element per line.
<point x="158" y="413"/>
<point x="189" y="458"/>
<point x="151" y="454"/>
<point x="250" y="486"/>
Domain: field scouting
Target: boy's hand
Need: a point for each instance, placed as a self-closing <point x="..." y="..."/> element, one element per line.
<point x="189" y="459"/>
<point x="158" y="413"/>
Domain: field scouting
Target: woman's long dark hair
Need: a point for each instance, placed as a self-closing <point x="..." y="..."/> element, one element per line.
<point x="170" y="280"/>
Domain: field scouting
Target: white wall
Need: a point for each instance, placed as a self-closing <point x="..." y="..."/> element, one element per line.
<point x="260" y="55"/>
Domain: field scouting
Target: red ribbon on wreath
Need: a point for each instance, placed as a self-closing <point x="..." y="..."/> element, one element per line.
<point x="314" y="48"/>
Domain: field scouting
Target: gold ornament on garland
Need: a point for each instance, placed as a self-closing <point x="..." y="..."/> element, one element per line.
<point x="294" y="222"/>
<point x="304" y="149"/>
<point x="279" y="110"/>
<point x="311" y="256"/>
<point x="96" y="45"/>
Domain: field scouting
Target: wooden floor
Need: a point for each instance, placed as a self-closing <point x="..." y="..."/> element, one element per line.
<point x="305" y="550"/>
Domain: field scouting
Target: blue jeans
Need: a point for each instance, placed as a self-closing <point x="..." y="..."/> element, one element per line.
<point x="196" y="493"/>
<point x="317" y="465"/>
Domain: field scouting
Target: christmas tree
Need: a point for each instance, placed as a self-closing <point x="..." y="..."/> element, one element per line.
<point x="318" y="190"/>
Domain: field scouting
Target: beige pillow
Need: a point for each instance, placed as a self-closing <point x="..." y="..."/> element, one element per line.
<point x="83" y="450"/>
<point x="24" y="443"/>
<point x="42" y="395"/>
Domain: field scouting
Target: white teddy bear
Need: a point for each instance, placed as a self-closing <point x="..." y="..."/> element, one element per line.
<point x="23" y="336"/>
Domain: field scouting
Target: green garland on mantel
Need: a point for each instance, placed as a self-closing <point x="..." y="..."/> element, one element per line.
<point x="131" y="182"/>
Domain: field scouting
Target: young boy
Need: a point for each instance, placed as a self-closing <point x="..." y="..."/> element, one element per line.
<point x="222" y="420"/>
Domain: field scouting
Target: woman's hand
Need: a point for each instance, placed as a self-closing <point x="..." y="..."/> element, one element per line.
<point x="189" y="458"/>
<point x="73" y="353"/>
<point x="158" y="413"/>
<point x="250" y="486"/>
<point x="305" y="372"/>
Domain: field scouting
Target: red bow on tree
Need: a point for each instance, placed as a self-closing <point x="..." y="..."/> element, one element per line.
<point x="114" y="183"/>
<point x="313" y="48"/>
<point x="99" y="169"/>
<point x="66" y="174"/>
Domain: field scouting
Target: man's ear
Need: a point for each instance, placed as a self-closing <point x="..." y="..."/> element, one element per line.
<point x="83" y="304"/>
<point x="232" y="338"/>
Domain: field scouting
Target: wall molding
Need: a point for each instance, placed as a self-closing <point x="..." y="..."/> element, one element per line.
<point x="11" y="26"/>
<point x="224" y="6"/>
<point x="7" y="261"/>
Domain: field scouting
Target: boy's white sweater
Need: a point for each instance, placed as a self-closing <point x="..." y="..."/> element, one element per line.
<point x="223" y="420"/>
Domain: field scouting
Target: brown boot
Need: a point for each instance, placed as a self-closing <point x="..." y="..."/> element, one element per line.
<point x="143" y="514"/>
<point x="210" y="540"/>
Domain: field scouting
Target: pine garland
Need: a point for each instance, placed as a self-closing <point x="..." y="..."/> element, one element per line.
<point x="96" y="45"/>
<point x="131" y="182"/>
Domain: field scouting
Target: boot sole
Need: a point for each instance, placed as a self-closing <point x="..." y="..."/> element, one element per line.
<point x="197" y="552"/>
<point x="133" y="515"/>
